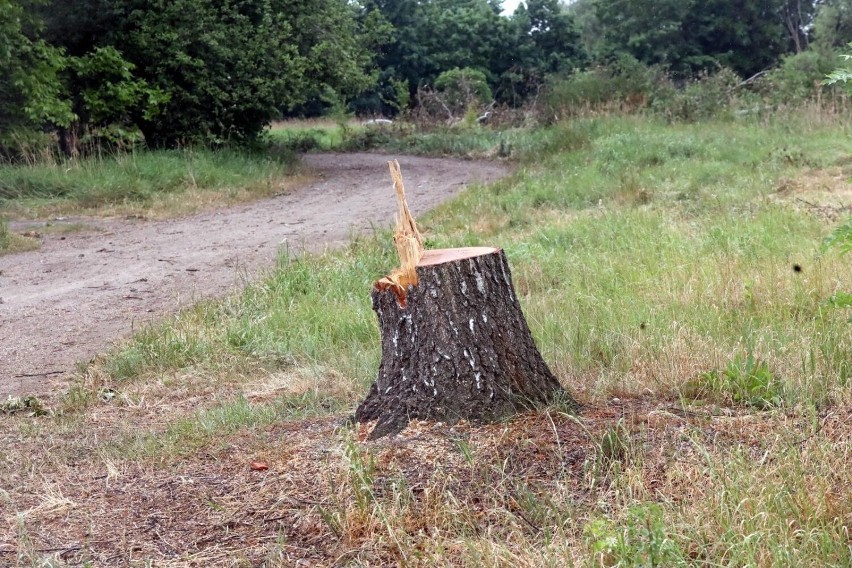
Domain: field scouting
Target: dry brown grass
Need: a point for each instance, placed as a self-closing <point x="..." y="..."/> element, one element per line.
<point x="826" y="193"/>
<point x="513" y="494"/>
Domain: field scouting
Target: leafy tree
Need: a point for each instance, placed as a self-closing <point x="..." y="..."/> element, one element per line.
<point x="104" y="92"/>
<point x="189" y="70"/>
<point x="336" y="44"/>
<point x="690" y="35"/>
<point x="433" y="36"/>
<point x="30" y="91"/>
<point x="80" y="26"/>
<point x="652" y="32"/>
<point x="832" y="27"/>
<point x="588" y="25"/>
<point x="224" y="67"/>
<point x="545" y="40"/>
<point x="551" y="35"/>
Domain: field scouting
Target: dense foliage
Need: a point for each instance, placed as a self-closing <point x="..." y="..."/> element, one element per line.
<point x="178" y="72"/>
<point x="96" y="72"/>
<point x="30" y="87"/>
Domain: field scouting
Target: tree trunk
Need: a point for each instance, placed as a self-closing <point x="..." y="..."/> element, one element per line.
<point x="69" y="140"/>
<point x="455" y="346"/>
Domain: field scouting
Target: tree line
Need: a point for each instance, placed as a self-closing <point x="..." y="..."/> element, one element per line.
<point x="188" y="71"/>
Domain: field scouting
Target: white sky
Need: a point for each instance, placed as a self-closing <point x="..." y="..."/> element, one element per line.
<point x="509" y="6"/>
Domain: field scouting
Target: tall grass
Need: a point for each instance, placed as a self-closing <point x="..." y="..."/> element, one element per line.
<point x="311" y="134"/>
<point x="5" y="236"/>
<point x="138" y="177"/>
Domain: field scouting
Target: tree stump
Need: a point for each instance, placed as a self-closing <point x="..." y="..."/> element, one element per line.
<point x="455" y="345"/>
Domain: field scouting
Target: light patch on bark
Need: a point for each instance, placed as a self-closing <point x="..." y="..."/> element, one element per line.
<point x="455" y="330"/>
<point x="480" y="282"/>
<point x="507" y="280"/>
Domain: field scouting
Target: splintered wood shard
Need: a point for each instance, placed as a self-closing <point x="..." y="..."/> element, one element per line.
<point x="408" y="242"/>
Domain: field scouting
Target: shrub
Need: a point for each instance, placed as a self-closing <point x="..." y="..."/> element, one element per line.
<point x="706" y="96"/>
<point x="798" y="77"/>
<point x="840" y="238"/>
<point x="462" y="88"/>
<point x="746" y="380"/>
<point x="641" y="540"/>
<point x="841" y="74"/>
<point x="458" y="94"/>
<point x="625" y="80"/>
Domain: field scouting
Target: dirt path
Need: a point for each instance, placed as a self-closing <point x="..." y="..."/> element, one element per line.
<point x="81" y="291"/>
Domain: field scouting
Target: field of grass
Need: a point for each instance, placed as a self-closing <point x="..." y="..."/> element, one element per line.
<point x="676" y="281"/>
<point x="149" y="183"/>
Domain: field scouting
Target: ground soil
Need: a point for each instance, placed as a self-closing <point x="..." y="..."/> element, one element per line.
<point x="81" y="291"/>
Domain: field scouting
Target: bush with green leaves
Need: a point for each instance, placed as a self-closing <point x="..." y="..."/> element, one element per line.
<point x="624" y="79"/>
<point x="641" y="540"/>
<point x="798" y="77"/>
<point x="706" y="96"/>
<point x="30" y="89"/>
<point x="746" y="380"/>
<point x="841" y="74"/>
<point x="106" y="90"/>
<point x="841" y="240"/>
<point x="462" y="89"/>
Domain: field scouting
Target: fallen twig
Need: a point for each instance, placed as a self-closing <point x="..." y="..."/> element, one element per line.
<point x="62" y="549"/>
<point x="46" y="373"/>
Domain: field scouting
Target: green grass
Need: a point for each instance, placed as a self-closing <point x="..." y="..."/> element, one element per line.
<point x="466" y="142"/>
<point x="11" y="242"/>
<point x="310" y="311"/>
<point x="641" y="240"/>
<point x="308" y="135"/>
<point x="656" y="263"/>
<point x="139" y="179"/>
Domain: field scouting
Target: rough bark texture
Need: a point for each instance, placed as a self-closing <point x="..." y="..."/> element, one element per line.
<point x="459" y="348"/>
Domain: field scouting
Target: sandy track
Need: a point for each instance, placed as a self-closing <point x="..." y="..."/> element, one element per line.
<point x="80" y="292"/>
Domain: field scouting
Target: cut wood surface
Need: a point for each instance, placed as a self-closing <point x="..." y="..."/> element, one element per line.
<point x="438" y="256"/>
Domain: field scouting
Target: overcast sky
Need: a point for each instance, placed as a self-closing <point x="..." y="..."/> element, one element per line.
<point x="509" y="6"/>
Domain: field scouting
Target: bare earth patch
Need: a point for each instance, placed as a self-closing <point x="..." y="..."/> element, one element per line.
<point x="324" y="497"/>
<point x="83" y="289"/>
<point x="824" y="192"/>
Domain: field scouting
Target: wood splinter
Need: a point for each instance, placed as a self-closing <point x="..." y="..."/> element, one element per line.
<point x="455" y="344"/>
<point x="408" y="242"/>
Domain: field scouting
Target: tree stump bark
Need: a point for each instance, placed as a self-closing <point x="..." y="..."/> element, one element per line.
<point x="454" y="346"/>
